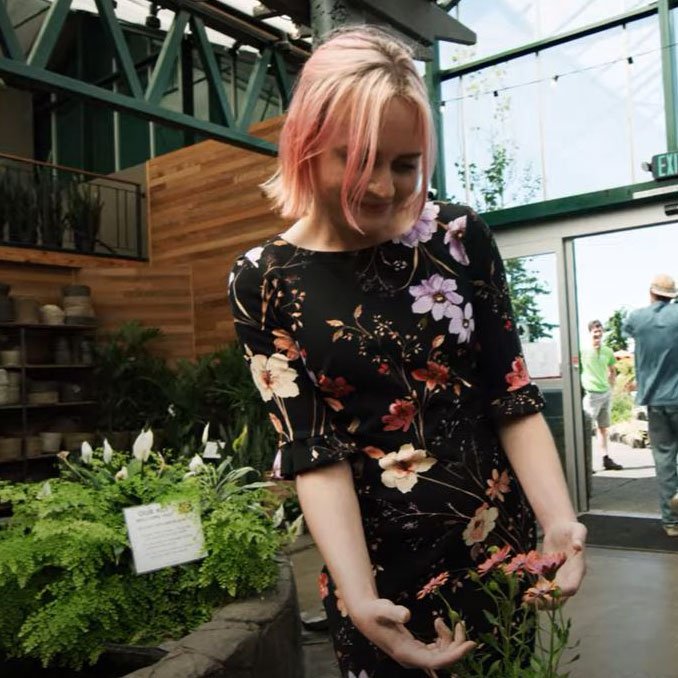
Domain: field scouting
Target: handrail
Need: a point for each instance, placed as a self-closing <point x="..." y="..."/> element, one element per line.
<point x="65" y="168"/>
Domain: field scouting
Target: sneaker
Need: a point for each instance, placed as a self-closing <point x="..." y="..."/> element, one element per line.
<point x="671" y="530"/>
<point x="610" y="464"/>
<point x="674" y="503"/>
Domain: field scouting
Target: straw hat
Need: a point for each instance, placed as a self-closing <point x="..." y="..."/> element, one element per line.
<point x="664" y="286"/>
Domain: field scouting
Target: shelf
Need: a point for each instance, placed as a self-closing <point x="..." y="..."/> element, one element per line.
<point x="47" y="367"/>
<point x="36" y="406"/>
<point x="44" y="326"/>
<point x="16" y="460"/>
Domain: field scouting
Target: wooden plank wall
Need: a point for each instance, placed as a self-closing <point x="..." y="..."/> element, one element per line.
<point x="204" y="208"/>
<point x="157" y="296"/>
<point x="42" y="282"/>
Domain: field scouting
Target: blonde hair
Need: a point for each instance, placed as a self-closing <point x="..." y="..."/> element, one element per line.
<point x="352" y="76"/>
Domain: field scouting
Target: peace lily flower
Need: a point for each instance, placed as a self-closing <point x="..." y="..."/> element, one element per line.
<point x="121" y="474"/>
<point x="141" y="449"/>
<point x="86" y="453"/>
<point x="45" y="491"/>
<point x="196" y="464"/>
<point x="206" y="433"/>
<point x="108" y="452"/>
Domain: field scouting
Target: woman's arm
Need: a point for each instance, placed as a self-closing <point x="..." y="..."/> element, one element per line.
<point x="532" y="452"/>
<point x="330" y="505"/>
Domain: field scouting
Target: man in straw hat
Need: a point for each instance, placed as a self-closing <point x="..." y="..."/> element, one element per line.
<point x="655" y="331"/>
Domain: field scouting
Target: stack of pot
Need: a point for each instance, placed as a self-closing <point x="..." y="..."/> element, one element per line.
<point x="77" y="304"/>
<point x="10" y="387"/>
<point x="6" y="305"/>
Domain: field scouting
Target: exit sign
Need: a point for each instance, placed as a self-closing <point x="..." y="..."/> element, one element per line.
<point x="665" y="165"/>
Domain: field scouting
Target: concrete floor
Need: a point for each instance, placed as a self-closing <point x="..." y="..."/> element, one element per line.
<point x="625" y="616"/>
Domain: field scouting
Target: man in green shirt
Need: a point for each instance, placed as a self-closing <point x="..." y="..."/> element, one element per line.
<point x="598" y="374"/>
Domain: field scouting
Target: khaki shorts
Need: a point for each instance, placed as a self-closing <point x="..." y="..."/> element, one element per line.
<point x="598" y="406"/>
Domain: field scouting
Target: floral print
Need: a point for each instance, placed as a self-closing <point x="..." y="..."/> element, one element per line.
<point x="398" y="359"/>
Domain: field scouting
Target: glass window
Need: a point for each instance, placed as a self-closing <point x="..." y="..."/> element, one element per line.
<point x="499" y="25"/>
<point x="646" y="93"/>
<point x="587" y="136"/>
<point x="534" y="295"/>
<point x="562" y="17"/>
<point x="492" y="122"/>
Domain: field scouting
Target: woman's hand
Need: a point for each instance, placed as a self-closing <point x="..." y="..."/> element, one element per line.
<point x="382" y="622"/>
<point x="567" y="537"/>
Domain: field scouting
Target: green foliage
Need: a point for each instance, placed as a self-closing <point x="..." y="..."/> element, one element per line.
<point x="614" y="337"/>
<point x="622" y="400"/>
<point x="131" y="381"/>
<point x="525" y="288"/>
<point x="83" y="214"/>
<point x="66" y="570"/>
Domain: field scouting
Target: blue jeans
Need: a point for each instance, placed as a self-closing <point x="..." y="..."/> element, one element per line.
<point x="663" y="427"/>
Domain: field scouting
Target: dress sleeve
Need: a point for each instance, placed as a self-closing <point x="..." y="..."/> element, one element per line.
<point x="306" y="436"/>
<point x="509" y="390"/>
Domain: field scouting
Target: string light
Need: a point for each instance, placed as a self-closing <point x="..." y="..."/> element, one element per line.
<point x="553" y="79"/>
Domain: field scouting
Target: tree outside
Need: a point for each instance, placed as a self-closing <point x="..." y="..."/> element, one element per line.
<point x="614" y="337"/>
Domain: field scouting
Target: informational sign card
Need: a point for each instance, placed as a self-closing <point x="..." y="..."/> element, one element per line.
<point x="164" y="536"/>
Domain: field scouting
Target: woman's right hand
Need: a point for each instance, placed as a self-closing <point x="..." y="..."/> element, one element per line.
<point x="383" y="623"/>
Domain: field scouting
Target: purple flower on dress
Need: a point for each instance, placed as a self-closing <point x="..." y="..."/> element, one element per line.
<point x="462" y="322"/>
<point x="424" y="229"/>
<point x="455" y="232"/>
<point x="437" y="295"/>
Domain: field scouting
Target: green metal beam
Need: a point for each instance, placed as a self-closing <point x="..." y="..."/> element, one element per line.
<point x="435" y="95"/>
<point x="254" y="87"/>
<point x="585" y="203"/>
<point x="117" y="39"/>
<point x="33" y="78"/>
<point x="8" y="39"/>
<point x="212" y="73"/>
<point x="167" y="58"/>
<point x="282" y="77"/>
<point x="49" y="33"/>
<point x="669" y="74"/>
<point x="541" y="45"/>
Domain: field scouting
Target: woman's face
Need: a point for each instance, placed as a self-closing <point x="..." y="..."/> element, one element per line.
<point x="395" y="177"/>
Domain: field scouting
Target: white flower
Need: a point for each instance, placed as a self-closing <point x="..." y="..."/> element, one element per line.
<point x="254" y="255"/>
<point x="480" y="525"/>
<point x="143" y="445"/>
<point x="108" y="452"/>
<point x="196" y="464"/>
<point x="86" y="453"/>
<point x="401" y="467"/>
<point x="45" y="491"/>
<point x="273" y="376"/>
<point x="362" y="674"/>
<point x="121" y="474"/>
<point x="171" y="410"/>
<point x="206" y="433"/>
<point x="462" y="323"/>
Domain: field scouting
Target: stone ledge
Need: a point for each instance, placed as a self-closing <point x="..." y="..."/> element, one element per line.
<point x="246" y="639"/>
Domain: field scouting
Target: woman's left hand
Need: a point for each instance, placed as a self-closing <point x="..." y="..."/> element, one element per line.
<point x="568" y="538"/>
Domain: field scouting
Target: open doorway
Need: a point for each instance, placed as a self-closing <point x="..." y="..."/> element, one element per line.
<point x="612" y="275"/>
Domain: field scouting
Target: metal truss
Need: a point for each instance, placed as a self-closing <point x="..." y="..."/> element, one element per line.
<point x="31" y="71"/>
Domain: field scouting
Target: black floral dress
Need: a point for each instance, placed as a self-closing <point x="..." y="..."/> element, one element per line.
<point x="401" y="358"/>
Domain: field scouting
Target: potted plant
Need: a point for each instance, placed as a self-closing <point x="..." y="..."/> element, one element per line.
<point x="20" y="210"/>
<point x="83" y="214"/>
<point x="50" y="207"/>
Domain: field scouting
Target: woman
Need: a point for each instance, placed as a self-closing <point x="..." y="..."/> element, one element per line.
<point x="378" y="328"/>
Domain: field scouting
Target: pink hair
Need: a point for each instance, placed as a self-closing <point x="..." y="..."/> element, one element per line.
<point x="352" y="76"/>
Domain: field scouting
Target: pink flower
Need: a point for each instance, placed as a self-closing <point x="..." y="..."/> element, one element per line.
<point x="401" y="469"/>
<point x="401" y="415"/>
<point x="434" y="375"/>
<point x="543" y="591"/>
<point x="284" y="343"/>
<point x="424" y="229"/>
<point x="433" y="585"/>
<point x="498" y="485"/>
<point x="525" y="562"/>
<point x="519" y="377"/>
<point x="455" y="231"/>
<point x="499" y="556"/>
<point x="480" y="525"/>
<point x="337" y="388"/>
<point x="551" y="563"/>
